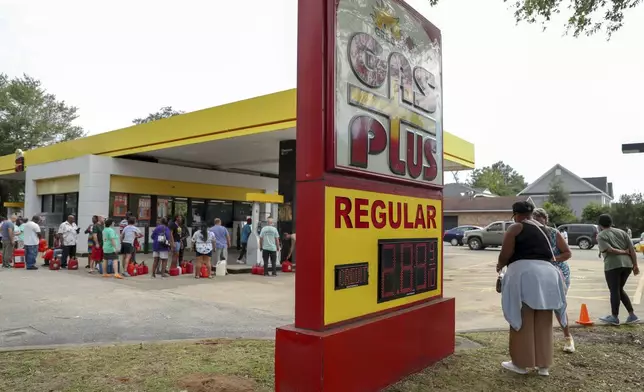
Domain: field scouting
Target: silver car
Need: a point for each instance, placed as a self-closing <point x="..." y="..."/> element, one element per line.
<point x="491" y="235"/>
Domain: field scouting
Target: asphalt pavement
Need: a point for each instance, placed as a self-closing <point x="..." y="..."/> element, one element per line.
<point x="72" y="307"/>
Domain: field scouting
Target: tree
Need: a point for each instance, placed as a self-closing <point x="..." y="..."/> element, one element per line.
<point x="629" y="211"/>
<point x="592" y="211"/>
<point x="500" y="179"/>
<point x="557" y="193"/>
<point x="457" y="176"/>
<point x="31" y="117"/>
<point x="164" y="112"/>
<point x="557" y="206"/>
<point x="584" y="16"/>
<point x="558" y="214"/>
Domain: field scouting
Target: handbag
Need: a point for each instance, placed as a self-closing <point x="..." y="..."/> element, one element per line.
<point x="499" y="281"/>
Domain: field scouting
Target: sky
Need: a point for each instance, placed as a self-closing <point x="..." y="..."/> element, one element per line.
<point x="529" y="97"/>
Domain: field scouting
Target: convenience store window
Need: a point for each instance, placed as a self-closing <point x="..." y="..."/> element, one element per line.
<point x="197" y="213"/>
<point x="164" y="208"/>
<point x="181" y="208"/>
<point x="222" y="210"/>
<point x="141" y="206"/>
<point x="118" y="206"/>
<point x="62" y="203"/>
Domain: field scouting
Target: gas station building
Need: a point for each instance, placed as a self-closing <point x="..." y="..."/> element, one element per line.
<point x="217" y="162"/>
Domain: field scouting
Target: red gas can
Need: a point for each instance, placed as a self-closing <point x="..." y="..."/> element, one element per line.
<point x="49" y="254"/>
<point x="19" y="258"/>
<point x="131" y="269"/>
<point x="204" y="271"/>
<point x="260" y="270"/>
<point x="72" y="264"/>
<point x="253" y="270"/>
<point x="287" y="266"/>
<point x="174" y="271"/>
<point x="190" y="268"/>
<point x="140" y="269"/>
<point x="54" y="264"/>
<point x="146" y="270"/>
<point x="42" y="245"/>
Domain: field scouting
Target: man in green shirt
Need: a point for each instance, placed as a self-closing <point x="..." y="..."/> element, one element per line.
<point x="111" y="246"/>
<point x="620" y="260"/>
<point x="269" y="242"/>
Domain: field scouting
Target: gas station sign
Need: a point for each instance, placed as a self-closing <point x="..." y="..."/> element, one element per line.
<point x="369" y="200"/>
<point x="388" y="109"/>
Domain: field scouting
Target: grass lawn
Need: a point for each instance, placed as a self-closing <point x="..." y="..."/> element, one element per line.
<point x="607" y="359"/>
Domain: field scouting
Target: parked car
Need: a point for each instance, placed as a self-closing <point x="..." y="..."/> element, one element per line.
<point x="455" y="235"/>
<point x="581" y="234"/>
<point x="491" y="235"/>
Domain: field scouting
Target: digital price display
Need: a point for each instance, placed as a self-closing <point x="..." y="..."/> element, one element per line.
<point x="351" y="275"/>
<point x="406" y="267"/>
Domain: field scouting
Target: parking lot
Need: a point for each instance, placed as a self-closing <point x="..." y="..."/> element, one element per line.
<point x="67" y="307"/>
<point x="470" y="277"/>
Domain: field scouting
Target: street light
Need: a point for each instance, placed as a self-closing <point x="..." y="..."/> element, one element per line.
<point x="632" y="148"/>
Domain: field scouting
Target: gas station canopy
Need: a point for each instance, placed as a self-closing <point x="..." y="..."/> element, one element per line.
<point x="240" y="137"/>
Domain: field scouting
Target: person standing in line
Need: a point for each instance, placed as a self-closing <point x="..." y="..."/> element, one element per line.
<point x="629" y="232"/>
<point x="67" y="233"/>
<point x="203" y="240"/>
<point x="128" y="235"/>
<point x="222" y="242"/>
<point x="269" y="243"/>
<point x="110" y="248"/>
<point x="20" y="242"/>
<point x="122" y="225"/>
<point x="620" y="260"/>
<point x="175" y="228"/>
<point x="245" y="234"/>
<point x="562" y="253"/>
<point x="8" y="239"/>
<point x="32" y="235"/>
<point x="531" y="289"/>
<point x="161" y="240"/>
<point x="97" y="237"/>
<point x="90" y="242"/>
<point x="185" y="234"/>
<point x="291" y="250"/>
<point x="564" y="234"/>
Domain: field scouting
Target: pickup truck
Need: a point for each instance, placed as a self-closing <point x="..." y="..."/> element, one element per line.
<point x="491" y="235"/>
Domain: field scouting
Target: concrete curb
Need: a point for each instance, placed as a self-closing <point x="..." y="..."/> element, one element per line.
<point x="195" y="340"/>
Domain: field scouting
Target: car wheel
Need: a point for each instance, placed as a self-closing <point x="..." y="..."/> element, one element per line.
<point x="474" y="243"/>
<point x="584" y="244"/>
<point x="454" y="242"/>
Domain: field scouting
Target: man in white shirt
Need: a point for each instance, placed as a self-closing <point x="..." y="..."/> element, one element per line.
<point x="68" y="232"/>
<point x="128" y="235"/>
<point x="32" y="236"/>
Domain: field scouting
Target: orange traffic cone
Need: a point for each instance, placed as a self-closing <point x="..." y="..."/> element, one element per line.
<point x="584" y="319"/>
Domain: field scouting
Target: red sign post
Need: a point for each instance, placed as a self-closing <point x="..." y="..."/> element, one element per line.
<point x="369" y="305"/>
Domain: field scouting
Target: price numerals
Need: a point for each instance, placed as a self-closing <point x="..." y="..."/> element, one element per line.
<point x="406" y="267"/>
